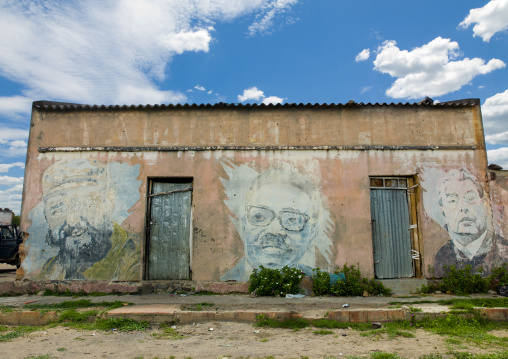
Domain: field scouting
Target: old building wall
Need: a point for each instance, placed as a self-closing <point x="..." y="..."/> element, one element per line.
<point x="251" y="205"/>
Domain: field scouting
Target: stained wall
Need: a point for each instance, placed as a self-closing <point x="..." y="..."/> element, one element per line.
<point x="271" y="186"/>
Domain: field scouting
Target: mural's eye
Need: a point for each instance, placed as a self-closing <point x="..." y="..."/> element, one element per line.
<point x="472" y="198"/>
<point x="58" y="208"/>
<point x="293" y="221"/>
<point x="452" y="199"/>
<point x="260" y="216"/>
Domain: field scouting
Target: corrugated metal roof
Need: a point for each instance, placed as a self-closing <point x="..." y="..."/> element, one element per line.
<point x="63" y="106"/>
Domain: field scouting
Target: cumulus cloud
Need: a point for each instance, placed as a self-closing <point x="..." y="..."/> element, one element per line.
<point x="200" y="88"/>
<point x="499" y="157"/>
<point x="11" y="198"/>
<point x="488" y="20"/>
<point x="254" y="94"/>
<point x="363" y="55"/>
<point x="269" y="11"/>
<point x="108" y="51"/>
<point x="430" y="70"/>
<point x="10" y="181"/>
<point x="495" y="118"/>
<point x="272" y="100"/>
<point x="5" y="167"/>
<point x="251" y="94"/>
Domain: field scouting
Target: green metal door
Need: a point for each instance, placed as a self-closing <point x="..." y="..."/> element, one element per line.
<point x="170" y="225"/>
<point x="390" y="228"/>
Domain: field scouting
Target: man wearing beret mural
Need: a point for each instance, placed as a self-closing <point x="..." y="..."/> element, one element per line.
<point x="78" y="207"/>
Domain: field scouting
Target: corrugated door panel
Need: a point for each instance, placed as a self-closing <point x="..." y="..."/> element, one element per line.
<point x="169" y="245"/>
<point x="391" y="235"/>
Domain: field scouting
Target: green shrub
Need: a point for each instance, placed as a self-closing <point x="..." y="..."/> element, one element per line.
<point x="274" y="282"/>
<point x="464" y="280"/>
<point x="499" y="276"/>
<point x="355" y="284"/>
<point x="320" y="282"/>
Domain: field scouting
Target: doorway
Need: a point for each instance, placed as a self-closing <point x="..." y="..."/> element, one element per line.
<point x="393" y="220"/>
<point x="169" y="229"/>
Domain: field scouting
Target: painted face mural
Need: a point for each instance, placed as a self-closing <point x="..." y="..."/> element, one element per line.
<point x="281" y="220"/>
<point x="458" y="203"/>
<point x="80" y="209"/>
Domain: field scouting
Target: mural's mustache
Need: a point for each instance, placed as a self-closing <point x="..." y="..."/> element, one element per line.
<point x="273" y="240"/>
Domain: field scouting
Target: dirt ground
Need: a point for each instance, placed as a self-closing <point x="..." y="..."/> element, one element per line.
<point x="226" y="340"/>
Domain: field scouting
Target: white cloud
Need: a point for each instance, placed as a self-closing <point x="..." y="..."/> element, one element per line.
<point x="499" y="157"/>
<point x="11" y="198"/>
<point x="488" y="20"/>
<point x="9" y="134"/>
<point x="495" y="118"/>
<point x="182" y="41"/>
<point x="108" y="51"/>
<point x="199" y="87"/>
<point x="363" y="55"/>
<point x="251" y="94"/>
<point x="210" y="92"/>
<point x="5" y="167"/>
<point x="15" y="105"/>
<point x="269" y="10"/>
<point x="430" y="70"/>
<point x="9" y="181"/>
<point x="272" y="100"/>
<point x="365" y="89"/>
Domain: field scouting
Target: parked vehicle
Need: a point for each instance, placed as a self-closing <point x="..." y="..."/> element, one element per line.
<point x="10" y="239"/>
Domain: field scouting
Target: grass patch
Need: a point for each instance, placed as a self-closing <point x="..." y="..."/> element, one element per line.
<point x="46" y="356"/>
<point x="197" y="307"/>
<point x="295" y="324"/>
<point x="6" y="309"/>
<point x="18" y="332"/>
<point x="168" y="333"/>
<point x="332" y="324"/>
<point x="322" y="332"/>
<point x="392" y="330"/>
<point x="78" y="304"/>
<point x="461" y="303"/>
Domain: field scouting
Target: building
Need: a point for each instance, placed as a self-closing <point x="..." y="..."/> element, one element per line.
<point x="208" y="192"/>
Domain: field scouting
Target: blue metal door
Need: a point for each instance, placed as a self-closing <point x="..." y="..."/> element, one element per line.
<point x="391" y="233"/>
<point x="170" y="225"/>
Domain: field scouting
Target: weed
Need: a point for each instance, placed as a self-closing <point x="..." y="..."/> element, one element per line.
<point x="415" y="310"/>
<point x="355" y="284"/>
<point x="333" y="324"/>
<point x="320" y="282"/>
<point x="168" y="333"/>
<point x="197" y="307"/>
<point x="47" y="356"/>
<point x="120" y="324"/>
<point x="322" y="332"/>
<point x="68" y="293"/>
<point x="264" y="340"/>
<point x="18" y="332"/>
<point x="61" y="349"/>
<point x="274" y="282"/>
<point x="75" y="304"/>
<point x="296" y="324"/>
<point x="6" y="309"/>
<point x="381" y="355"/>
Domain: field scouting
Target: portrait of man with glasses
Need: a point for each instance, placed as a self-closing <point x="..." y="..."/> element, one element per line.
<point x="280" y="222"/>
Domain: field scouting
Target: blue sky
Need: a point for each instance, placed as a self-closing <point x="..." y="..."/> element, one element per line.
<point x="249" y="51"/>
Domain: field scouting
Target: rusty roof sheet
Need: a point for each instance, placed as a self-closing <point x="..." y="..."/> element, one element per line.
<point x="64" y="106"/>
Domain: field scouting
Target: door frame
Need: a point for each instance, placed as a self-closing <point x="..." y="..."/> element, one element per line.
<point x="148" y="214"/>
<point x="413" y="195"/>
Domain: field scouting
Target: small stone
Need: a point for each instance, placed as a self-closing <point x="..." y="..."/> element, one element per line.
<point x="448" y="292"/>
<point x="254" y="294"/>
<point x="365" y="293"/>
<point x="492" y="291"/>
<point x="210" y="329"/>
<point x="438" y="292"/>
<point x="377" y="325"/>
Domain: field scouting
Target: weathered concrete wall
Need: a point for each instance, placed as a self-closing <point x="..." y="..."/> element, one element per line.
<point x="6" y="216"/>
<point x="85" y="209"/>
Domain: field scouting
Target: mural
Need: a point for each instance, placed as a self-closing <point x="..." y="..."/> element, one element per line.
<point x="456" y="200"/>
<point x="75" y="231"/>
<point x="279" y="217"/>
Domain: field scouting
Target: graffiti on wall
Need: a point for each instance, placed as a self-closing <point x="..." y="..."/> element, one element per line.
<point x="457" y="201"/>
<point x="280" y="218"/>
<point x="75" y="231"/>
